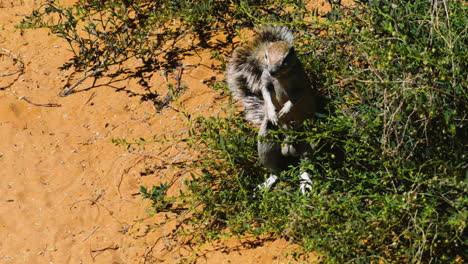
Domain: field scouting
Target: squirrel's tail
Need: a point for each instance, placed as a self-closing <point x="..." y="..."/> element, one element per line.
<point x="243" y="79"/>
<point x="245" y="69"/>
<point x="273" y="34"/>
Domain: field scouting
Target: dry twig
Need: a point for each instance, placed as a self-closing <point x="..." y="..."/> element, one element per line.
<point x="19" y="71"/>
<point x="44" y="105"/>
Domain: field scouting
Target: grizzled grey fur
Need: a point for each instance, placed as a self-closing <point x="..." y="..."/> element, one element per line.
<point x="269" y="80"/>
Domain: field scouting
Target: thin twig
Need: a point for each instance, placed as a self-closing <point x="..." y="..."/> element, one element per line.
<point x="117" y="185"/>
<point x="91" y="233"/>
<point x="93" y="201"/>
<point x="68" y="90"/>
<point x="179" y="78"/>
<point x="91" y="97"/>
<point x="45" y="105"/>
<point x="104" y="249"/>
<point x="15" y="59"/>
<point x="99" y="251"/>
<point x="150" y="249"/>
<point x="20" y="70"/>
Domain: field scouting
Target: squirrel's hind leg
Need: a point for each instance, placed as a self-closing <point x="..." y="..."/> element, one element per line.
<point x="268" y="183"/>
<point x="306" y="183"/>
<point x="269" y="152"/>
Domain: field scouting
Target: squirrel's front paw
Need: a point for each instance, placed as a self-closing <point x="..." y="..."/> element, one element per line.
<point x="286" y="109"/>
<point x="272" y="117"/>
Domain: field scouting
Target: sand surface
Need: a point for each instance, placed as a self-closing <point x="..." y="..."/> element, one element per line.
<point x="67" y="193"/>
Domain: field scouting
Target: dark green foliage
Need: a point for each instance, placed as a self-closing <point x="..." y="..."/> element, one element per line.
<point x="157" y="195"/>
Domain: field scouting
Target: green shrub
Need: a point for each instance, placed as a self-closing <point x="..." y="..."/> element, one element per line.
<point x="390" y="168"/>
<point x="158" y="196"/>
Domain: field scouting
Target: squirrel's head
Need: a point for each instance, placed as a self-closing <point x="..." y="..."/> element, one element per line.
<point x="279" y="57"/>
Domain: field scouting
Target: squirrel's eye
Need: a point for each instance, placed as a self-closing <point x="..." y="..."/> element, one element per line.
<point x="266" y="57"/>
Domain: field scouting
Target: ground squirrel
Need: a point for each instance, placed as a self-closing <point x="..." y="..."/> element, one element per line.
<point x="270" y="81"/>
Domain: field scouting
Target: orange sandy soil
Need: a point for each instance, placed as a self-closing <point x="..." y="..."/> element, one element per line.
<point x="67" y="193"/>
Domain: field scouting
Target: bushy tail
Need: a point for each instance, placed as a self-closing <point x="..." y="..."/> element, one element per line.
<point x="273" y="34"/>
<point x="245" y="69"/>
<point x="243" y="78"/>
